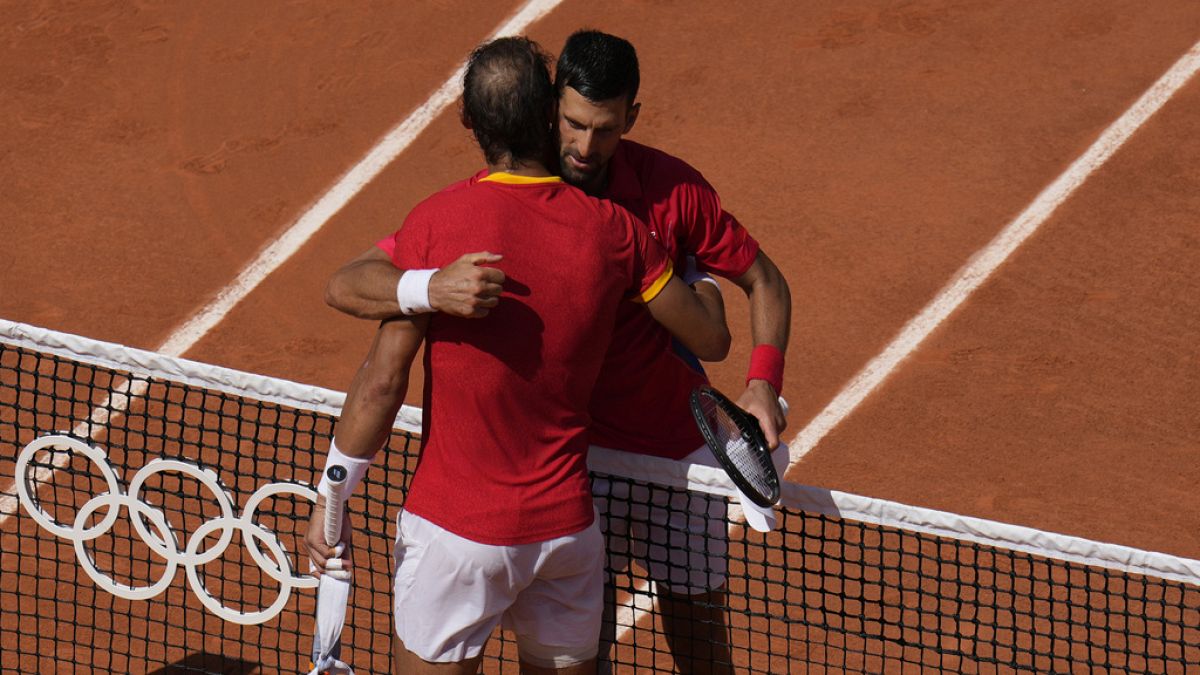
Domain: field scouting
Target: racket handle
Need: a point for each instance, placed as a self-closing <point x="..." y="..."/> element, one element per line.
<point x="335" y="477"/>
<point x="783" y="405"/>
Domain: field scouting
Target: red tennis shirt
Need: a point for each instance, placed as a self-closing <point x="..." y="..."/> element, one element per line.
<point x="640" y="403"/>
<point x="504" y="439"/>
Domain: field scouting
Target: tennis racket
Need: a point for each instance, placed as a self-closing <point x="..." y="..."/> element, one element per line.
<point x="336" y="479"/>
<point x="738" y="443"/>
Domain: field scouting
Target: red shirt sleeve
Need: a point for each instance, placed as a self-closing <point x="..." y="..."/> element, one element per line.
<point x="388" y="244"/>
<point x="408" y="247"/>
<point x="650" y="267"/>
<point x="718" y="241"/>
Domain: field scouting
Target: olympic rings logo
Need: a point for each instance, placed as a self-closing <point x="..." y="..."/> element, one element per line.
<point x="162" y="539"/>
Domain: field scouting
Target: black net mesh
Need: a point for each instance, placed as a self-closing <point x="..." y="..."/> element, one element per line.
<point x="819" y="594"/>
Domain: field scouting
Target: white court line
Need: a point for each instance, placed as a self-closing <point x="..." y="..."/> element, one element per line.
<point x="969" y="278"/>
<point x="278" y="252"/>
<point x="350" y="184"/>
<point x="986" y="260"/>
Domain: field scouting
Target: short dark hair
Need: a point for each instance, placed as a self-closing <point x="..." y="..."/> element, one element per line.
<point x="508" y="99"/>
<point x="599" y="66"/>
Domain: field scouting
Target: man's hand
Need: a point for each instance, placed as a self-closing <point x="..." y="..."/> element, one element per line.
<point x="466" y="289"/>
<point x="314" y="540"/>
<point x="760" y="400"/>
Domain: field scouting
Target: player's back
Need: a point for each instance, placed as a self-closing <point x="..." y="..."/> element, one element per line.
<point x="507" y="395"/>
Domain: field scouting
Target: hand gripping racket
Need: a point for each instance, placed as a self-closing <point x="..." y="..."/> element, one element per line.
<point x="334" y="590"/>
<point x="738" y="443"/>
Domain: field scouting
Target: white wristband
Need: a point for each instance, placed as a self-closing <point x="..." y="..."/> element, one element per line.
<point x="356" y="468"/>
<point x="412" y="292"/>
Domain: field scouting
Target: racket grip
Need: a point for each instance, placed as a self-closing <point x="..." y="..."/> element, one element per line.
<point x="783" y="405"/>
<point x="335" y="477"/>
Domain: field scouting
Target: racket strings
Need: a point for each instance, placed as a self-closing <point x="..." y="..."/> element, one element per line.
<point x="739" y="450"/>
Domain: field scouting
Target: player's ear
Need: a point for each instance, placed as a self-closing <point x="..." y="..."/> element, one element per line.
<point x="631" y="117"/>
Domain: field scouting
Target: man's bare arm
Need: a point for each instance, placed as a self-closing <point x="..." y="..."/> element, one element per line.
<point x="709" y="295"/>
<point x="695" y="317"/>
<point x="708" y="291"/>
<point x="366" y="286"/>
<point x="375" y="396"/>
<point x="379" y="385"/>
<point x="770" y="323"/>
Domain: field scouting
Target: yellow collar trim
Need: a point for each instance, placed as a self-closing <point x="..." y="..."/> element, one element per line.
<point x="513" y="179"/>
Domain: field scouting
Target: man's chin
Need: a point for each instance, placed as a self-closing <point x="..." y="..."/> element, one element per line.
<point x="576" y="177"/>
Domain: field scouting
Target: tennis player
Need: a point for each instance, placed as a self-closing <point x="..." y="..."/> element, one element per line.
<point x="499" y="523"/>
<point x="640" y="402"/>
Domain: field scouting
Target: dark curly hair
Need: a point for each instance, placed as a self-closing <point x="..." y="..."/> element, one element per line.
<point x="508" y="99"/>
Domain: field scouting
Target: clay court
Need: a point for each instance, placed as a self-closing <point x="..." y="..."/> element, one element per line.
<point x="988" y="212"/>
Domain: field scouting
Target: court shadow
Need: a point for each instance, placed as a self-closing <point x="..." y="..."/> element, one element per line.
<point x="210" y="664"/>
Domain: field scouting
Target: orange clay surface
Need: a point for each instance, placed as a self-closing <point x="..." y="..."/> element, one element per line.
<point x="149" y="150"/>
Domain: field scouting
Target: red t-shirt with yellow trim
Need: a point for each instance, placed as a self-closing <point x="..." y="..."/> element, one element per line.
<point x="640" y="403"/>
<point x="504" y="442"/>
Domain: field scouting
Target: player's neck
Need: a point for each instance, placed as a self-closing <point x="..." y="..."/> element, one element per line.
<point x="522" y="167"/>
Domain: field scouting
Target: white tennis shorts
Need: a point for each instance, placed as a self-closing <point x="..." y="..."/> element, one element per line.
<point x="679" y="537"/>
<point x="450" y="593"/>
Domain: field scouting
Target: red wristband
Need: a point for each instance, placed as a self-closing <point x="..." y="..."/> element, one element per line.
<point x="766" y="363"/>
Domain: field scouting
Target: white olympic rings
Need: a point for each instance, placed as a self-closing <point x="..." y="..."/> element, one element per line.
<point x="161" y="539"/>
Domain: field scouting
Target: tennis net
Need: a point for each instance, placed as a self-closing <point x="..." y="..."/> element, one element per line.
<point x="146" y="540"/>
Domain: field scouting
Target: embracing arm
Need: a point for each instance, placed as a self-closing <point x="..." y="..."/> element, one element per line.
<point x="696" y="317"/>
<point x="716" y="328"/>
<point x="366" y="286"/>
<point x="708" y="292"/>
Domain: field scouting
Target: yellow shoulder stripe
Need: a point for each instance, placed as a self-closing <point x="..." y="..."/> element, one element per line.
<point x="660" y="283"/>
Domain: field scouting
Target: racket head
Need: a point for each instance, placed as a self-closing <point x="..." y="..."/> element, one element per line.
<point x="738" y="443"/>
